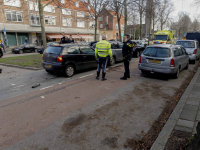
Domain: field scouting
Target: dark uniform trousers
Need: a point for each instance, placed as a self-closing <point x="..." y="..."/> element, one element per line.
<point x="126" y="66"/>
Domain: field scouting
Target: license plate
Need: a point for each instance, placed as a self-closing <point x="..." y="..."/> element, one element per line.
<point x="155" y="61"/>
<point x="48" y="66"/>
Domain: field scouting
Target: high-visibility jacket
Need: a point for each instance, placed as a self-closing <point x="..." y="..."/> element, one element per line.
<point x="103" y="49"/>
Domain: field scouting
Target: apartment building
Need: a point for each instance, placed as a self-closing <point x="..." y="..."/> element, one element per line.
<point x="20" y="19"/>
<point x="108" y="24"/>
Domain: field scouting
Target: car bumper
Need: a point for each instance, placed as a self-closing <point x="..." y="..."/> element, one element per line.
<point x="158" y="70"/>
<point x="192" y="57"/>
<point x="57" y="67"/>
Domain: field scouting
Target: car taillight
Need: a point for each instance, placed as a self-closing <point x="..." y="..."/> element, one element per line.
<point x="172" y="64"/>
<point x="42" y="56"/>
<point x="135" y="45"/>
<point x="154" y="42"/>
<point x="195" y="51"/>
<point x="59" y="59"/>
<point x="140" y="59"/>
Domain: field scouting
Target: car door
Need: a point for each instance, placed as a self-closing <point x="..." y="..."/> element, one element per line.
<point x="182" y="56"/>
<point x="73" y="55"/>
<point x="115" y="50"/>
<point x="88" y="54"/>
<point x="198" y="49"/>
<point x="26" y="47"/>
<point x="185" y="59"/>
<point x="32" y="47"/>
<point x="177" y="57"/>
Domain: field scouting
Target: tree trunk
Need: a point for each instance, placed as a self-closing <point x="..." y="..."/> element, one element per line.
<point x="42" y="23"/>
<point x="140" y="25"/>
<point x="118" y="21"/>
<point x="153" y="26"/>
<point x="126" y="17"/>
<point x="96" y="18"/>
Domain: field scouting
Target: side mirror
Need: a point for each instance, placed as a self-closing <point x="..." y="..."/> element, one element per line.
<point x="188" y="53"/>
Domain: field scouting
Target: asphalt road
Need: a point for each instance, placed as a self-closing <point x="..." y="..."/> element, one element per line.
<point x="82" y="113"/>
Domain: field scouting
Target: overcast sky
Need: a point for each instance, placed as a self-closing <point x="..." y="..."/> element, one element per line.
<point x="186" y="6"/>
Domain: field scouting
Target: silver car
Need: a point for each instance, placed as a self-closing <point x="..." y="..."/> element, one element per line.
<point x="192" y="47"/>
<point x="167" y="59"/>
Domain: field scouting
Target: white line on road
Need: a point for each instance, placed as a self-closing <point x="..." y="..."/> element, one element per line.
<point x="86" y="75"/>
<point x="42" y="96"/>
<point x="46" y="87"/>
<point x="18" y="86"/>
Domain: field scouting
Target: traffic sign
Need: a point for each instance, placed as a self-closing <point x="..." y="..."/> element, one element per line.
<point x="4" y="31"/>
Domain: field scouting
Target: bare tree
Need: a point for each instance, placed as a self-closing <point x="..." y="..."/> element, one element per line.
<point x="195" y="25"/>
<point x="165" y="9"/>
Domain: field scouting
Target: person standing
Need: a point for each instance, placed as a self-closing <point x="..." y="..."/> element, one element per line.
<point x="102" y="50"/>
<point x="26" y="40"/>
<point x="6" y="42"/>
<point x="1" y="55"/>
<point x="36" y="41"/>
<point x="2" y="46"/>
<point x="72" y="40"/>
<point x="127" y="55"/>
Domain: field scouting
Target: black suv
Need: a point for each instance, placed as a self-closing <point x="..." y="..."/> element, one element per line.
<point x="68" y="58"/>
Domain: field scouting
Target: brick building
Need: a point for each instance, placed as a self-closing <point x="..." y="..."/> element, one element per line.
<point x="108" y="24"/>
<point x="21" y="20"/>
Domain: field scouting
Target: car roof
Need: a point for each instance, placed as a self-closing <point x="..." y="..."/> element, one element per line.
<point x="187" y="40"/>
<point x="69" y="45"/>
<point x="165" y="45"/>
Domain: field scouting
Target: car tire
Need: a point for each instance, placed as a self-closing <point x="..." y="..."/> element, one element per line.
<point x="193" y="61"/>
<point x="69" y="70"/>
<point x="113" y="62"/>
<point x="176" y="75"/>
<point x="144" y="72"/>
<point x="20" y="51"/>
<point x="49" y="71"/>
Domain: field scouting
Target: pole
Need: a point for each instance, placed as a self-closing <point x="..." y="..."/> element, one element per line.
<point x="125" y="15"/>
<point x="42" y="23"/>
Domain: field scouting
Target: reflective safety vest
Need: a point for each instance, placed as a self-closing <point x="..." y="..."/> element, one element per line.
<point x="103" y="49"/>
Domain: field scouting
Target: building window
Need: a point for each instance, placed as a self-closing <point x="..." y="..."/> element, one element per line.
<point x="106" y="20"/>
<point x="50" y="20"/>
<point x="116" y="26"/>
<point x="13" y="16"/>
<point x="49" y="8"/>
<point x="122" y="27"/>
<point x="81" y="23"/>
<point x="36" y="7"/>
<point x="62" y="1"/>
<point x="100" y="18"/>
<point x="15" y="3"/>
<point x="80" y="14"/>
<point x="76" y="4"/>
<point x="31" y="5"/>
<point x="92" y="24"/>
<point x="35" y="20"/>
<point x="101" y="26"/>
<point x="67" y="22"/>
<point x="66" y="12"/>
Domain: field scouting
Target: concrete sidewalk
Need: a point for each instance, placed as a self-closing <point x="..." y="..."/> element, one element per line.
<point x="185" y="116"/>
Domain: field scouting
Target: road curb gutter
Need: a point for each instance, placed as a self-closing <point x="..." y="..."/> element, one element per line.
<point x="165" y="133"/>
<point x="29" y="68"/>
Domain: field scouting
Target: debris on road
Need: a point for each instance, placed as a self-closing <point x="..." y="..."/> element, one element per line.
<point x="36" y="85"/>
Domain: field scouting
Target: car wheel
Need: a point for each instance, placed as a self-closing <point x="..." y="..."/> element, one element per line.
<point x="187" y="65"/>
<point x="112" y="63"/>
<point x="49" y="71"/>
<point x="69" y="70"/>
<point x="21" y="51"/>
<point x="137" y="54"/>
<point x="193" y="61"/>
<point x="176" y="75"/>
<point x="144" y="72"/>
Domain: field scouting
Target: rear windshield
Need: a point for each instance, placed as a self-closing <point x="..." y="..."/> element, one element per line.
<point x="157" y="52"/>
<point x="186" y="44"/>
<point x="54" y="49"/>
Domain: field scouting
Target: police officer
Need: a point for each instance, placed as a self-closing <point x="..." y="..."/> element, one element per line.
<point x="1" y="55"/>
<point x="102" y="50"/>
<point x="127" y="55"/>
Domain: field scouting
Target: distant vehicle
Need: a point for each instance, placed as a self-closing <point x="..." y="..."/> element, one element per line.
<point x="167" y="59"/>
<point x="116" y="50"/>
<point x="192" y="47"/>
<point x="138" y="48"/>
<point x="68" y="58"/>
<point x="92" y="43"/>
<point x="164" y="37"/>
<point x="24" y="48"/>
<point x="41" y="49"/>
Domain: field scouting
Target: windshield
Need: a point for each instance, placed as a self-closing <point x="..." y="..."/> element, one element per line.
<point x="21" y="45"/>
<point x="54" y="50"/>
<point x="186" y="44"/>
<point x="94" y="46"/>
<point x="157" y="52"/>
<point x="161" y="37"/>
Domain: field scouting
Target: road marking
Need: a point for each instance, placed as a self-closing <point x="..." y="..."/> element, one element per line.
<point x="19" y="86"/>
<point x="86" y="75"/>
<point x="12" y="84"/>
<point x="46" y="87"/>
<point x="42" y="96"/>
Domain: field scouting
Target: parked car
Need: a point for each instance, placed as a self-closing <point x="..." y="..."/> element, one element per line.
<point x="167" y="59"/>
<point x="68" y="58"/>
<point x="41" y="49"/>
<point x="192" y="47"/>
<point x="24" y="48"/>
<point x="137" y="49"/>
<point x="92" y="43"/>
<point x="116" y="51"/>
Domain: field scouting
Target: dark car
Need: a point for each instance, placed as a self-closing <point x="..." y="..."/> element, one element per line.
<point x="137" y="49"/>
<point x="116" y="51"/>
<point x="41" y="49"/>
<point x="24" y="48"/>
<point x="68" y="58"/>
<point x="92" y="43"/>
